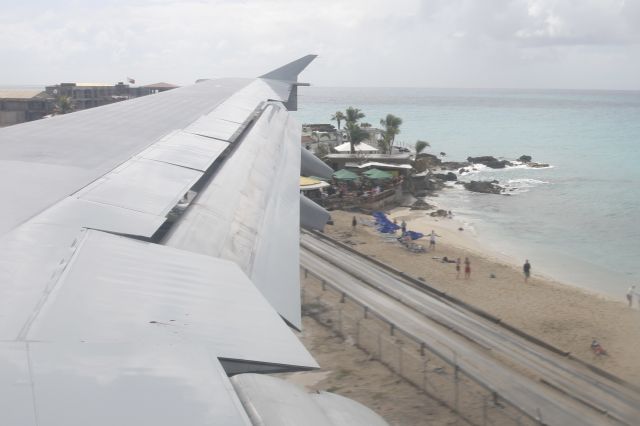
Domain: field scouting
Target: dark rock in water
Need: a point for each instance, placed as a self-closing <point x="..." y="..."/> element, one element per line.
<point x="482" y="160"/>
<point x="538" y="165"/>
<point x="421" y="205"/>
<point x="453" y="165"/>
<point x="525" y="158"/>
<point x="443" y="154"/>
<point x="446" y="177"/>
<point x="489" y="161"/>
<point x="463" y="170"/>
<point x="438" y="213"/>
<point x="483" y="187"/>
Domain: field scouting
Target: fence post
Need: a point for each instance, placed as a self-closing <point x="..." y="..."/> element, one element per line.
<point x="422" y="346"/>
<point x="400" y="360"/>
<point x="424" y="375"/>
<point x="392" y="329"/>
<point x="456" y="389"/>
<point x="324" y="285"/>
<point x="306" y="272"/>
<point x="484" y="411"/>
<point x="343" y="297"/>
<point x="366" y="311"/>
<point x="379" y="346"/>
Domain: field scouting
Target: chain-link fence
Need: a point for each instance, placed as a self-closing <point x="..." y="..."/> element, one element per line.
<point x="411" y="359"/>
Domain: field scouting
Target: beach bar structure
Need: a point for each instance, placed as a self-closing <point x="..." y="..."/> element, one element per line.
<point x="339" y="161"/>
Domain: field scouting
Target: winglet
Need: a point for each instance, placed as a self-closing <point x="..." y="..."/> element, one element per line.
<point x="290" y="71"/>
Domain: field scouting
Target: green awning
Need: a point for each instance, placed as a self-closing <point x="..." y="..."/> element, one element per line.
<point x="378" y="174"/>
<point x="344" y="174"/>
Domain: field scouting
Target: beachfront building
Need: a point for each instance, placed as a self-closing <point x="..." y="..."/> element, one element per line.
<point x="340" y="160"/>
<point x="19" y="106"/>
<point x="90" y="95"/>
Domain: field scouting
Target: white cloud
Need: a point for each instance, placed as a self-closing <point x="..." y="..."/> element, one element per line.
<point x="534" y="43"/>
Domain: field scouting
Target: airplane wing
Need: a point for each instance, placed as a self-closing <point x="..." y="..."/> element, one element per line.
<point x="149" y="250"/>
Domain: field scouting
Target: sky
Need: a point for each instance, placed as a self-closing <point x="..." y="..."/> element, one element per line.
<point x="562" y="44"/>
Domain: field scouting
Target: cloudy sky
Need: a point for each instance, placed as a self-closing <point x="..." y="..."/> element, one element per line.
<point x="569" y="44"/>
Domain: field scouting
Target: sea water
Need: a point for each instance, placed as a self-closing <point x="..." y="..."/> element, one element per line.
<point x="577" y="221"/>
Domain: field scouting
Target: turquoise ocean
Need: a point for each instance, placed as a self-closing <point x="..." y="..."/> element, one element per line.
<point x="577" y="221"/>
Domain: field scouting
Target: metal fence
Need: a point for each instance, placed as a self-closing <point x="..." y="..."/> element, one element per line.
<point x="415" y="361"/>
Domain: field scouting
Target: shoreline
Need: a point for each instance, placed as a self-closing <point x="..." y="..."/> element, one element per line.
<point x="558" y="265"/>
<point x="563" y="315"/>
<point x="469" y="240"/>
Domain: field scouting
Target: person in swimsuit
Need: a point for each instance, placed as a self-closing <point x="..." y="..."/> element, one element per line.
<point x="467" y="268"/>
<point x="526" y="268"/>
<point x="630" y="294"/>
<point x="458" y="269"/>
<point x="432" y="240"/>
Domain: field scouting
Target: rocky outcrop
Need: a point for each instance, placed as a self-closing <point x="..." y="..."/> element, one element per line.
<point x="426" y="161"/>
<point x="426" y="184"/>
<point x="525" y="158"/>
<point x="537" y="165"/>
<point x="453" y="165"/>
<point x="420" y="204"/>
<point x="485" y="187"/>
<point x="438" y="213"/>
<point x="489" y="161"/>
<point x="446" y="177"/>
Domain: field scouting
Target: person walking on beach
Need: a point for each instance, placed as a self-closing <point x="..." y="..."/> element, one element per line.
<point x="458" y="269"/>
<point x="526" y="268"/>
<point x="432" y="240"/>
<point x="403" y="227"/>
<point x="467" y="268"/>
<point x="630" y="293"/>
<point x="354" y="222"/>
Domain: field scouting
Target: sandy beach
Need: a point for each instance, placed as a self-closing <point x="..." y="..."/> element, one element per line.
<point x="564" y="316"/>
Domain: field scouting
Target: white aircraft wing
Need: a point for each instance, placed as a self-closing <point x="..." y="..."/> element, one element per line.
<point x="148" y="250"/>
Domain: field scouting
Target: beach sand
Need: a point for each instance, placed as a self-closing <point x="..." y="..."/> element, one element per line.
<point x="561" y="315"/>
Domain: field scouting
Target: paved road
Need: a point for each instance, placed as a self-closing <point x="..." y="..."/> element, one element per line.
<point x="401" y="302"/>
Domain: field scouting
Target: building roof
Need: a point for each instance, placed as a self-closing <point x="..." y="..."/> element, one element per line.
<point x="361" y="147"/>
<point x="19" y="94"/>
<point x="379" y="165"/>
<point x="382" y="157"/>
<point x="161" y="85"/>
<point x="93" y="84"/>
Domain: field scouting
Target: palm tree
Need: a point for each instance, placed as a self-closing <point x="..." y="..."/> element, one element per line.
<point x="421" y="145"/>
<point x="391" y="125"/>
<point x="338" y="117"/>
<point x="353" y="115"/>
<point x="356" y="135"/>
<point x="63" y="105"/>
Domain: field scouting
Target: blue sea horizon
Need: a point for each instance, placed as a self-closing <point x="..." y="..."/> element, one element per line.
<point x="576" y="221"/>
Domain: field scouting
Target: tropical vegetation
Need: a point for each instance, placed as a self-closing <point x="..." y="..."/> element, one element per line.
<point x="391" y="127"/>
<point x="421" y="145"/>
<point x="63" y="105"/>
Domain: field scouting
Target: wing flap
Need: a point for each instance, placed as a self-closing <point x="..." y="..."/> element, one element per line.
<point x="133" y="291"/>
